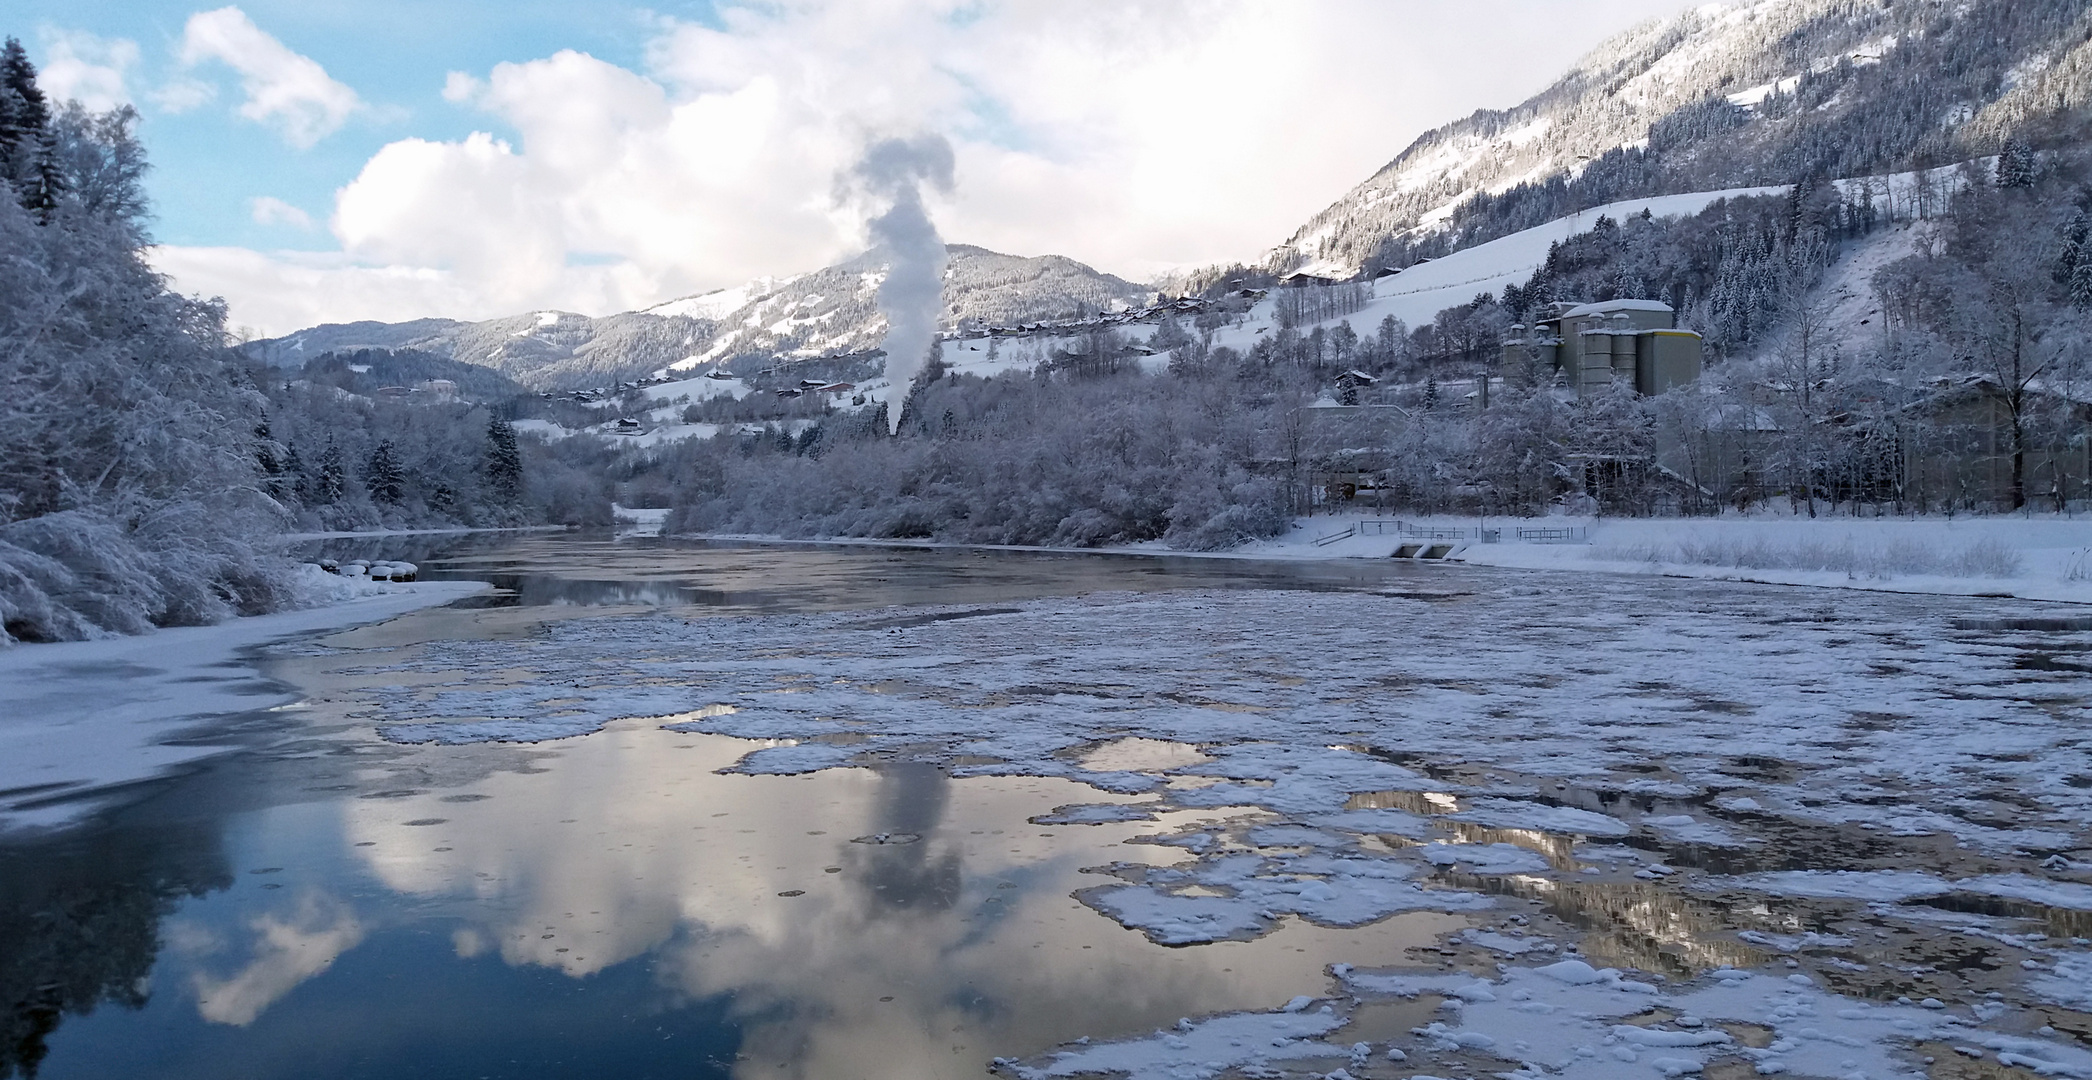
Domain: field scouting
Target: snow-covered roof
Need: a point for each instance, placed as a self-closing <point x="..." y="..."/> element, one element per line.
<point x="1610" y="306"/>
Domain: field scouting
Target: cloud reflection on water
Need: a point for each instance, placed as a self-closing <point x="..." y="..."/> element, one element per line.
<point x="915" y="959"/>
<point x="290" y="947"/>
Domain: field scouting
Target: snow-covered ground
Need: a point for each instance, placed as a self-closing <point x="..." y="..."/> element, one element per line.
<point x="1852" y="312"/>
<point x="662" y="421"/>
<point x="2037" y="557"/>
<point x="81" y="717"/>
<point x="1690" y="823"/>
<point x="702" y="388"/>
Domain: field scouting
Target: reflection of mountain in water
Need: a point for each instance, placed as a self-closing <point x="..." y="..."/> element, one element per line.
<point x="534" y="590"/>
<point x="1636" y="924"/>
<point x="80" y="925"/>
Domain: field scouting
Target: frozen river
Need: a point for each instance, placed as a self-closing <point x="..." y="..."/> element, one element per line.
<point x="689" y="810"/>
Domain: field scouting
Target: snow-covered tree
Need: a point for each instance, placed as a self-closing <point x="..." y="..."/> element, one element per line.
<point x="130" y="491"/>
<point x="382" y="475"/>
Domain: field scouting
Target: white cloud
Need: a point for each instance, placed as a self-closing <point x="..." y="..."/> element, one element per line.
<point x="270" y="210"/>
<point x="460" y="87"/>
<point x="285" y="90"/>
<point x="1136" y="138"/>
<point x="180" y="95"/>
<point x="94" y="71"/>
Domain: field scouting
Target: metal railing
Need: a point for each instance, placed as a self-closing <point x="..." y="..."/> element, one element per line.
<point x="1407" y="531"/>
<point x="1550" y="534"/>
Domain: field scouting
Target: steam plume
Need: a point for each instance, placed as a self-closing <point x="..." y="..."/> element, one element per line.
<point x="891" y="175"/>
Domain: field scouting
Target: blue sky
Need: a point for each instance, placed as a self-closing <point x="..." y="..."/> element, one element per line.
<point x="396" y="159"/>
<point x="209" y="164"/>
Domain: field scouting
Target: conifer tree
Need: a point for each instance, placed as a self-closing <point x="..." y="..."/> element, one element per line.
<point x="383" y="476"/>
<point x="504" y="463"/>
<point x="331" y="477"/>
<point x="28" y="159"/>
<point x="2016" y="165"/>
<point x="2074" y="267"/>
<point x="266" y="461"/>
<point x="300" y="476"/>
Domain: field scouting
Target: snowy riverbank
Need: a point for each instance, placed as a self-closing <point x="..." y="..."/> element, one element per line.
<point x="356" y="533"/>
<point x="82" y="716"/>
<point x="2041" y="557"/>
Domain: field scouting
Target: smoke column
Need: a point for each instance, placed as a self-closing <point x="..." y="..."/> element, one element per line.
<point x="891" y="175"/>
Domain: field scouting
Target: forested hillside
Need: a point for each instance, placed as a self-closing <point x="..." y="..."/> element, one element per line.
<point x="1760" y="92"/>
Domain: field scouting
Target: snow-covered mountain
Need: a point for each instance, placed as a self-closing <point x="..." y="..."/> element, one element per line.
<point x="827" y="312"/>
<point x="1727" y="95"/>
<point x="836" y="309"/>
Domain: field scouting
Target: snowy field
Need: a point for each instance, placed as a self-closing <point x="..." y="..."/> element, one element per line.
<point x="82" y="717"/>
<point x="1693" y="826"/>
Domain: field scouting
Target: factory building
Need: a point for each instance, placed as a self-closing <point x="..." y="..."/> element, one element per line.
<point x="1593" y="345"/>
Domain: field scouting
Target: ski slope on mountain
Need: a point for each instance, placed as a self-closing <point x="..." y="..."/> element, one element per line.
<point x="1419" y="293"/>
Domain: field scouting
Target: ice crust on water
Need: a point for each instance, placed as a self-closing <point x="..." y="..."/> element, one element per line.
<point x="797" y="758"/>
<point x="1504" y="943"/>
<point x="1892" y="886"/>
<point x="1565" y="1018"/>
<point x="1333" y="890"/>
<point x="1567" y="676"/>
<point x="1685" y="829"/>
<point x="1377" y="822"/>
<point x="1569" y="1020"/>
<point x="1096" y="814"/>
<point x="1579" y="689"/>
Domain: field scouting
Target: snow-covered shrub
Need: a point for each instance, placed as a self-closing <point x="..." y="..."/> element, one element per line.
<point x="1984" y="558"/>
<point x="29" y="609"/>
<point x="108" y="581"/>
<point x="1229" y="512"/>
